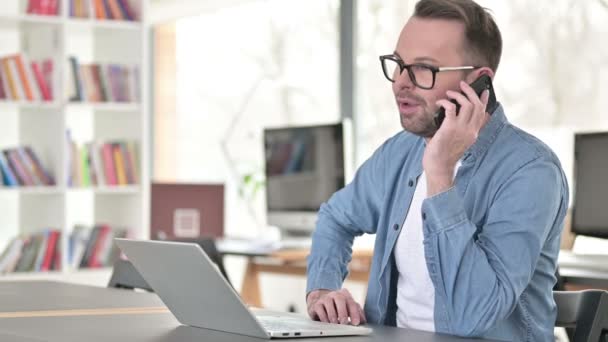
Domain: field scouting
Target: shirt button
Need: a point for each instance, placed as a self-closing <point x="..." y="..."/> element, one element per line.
<point x="396" y="226"/>
<point x="423" y="216"/>
<point x="410" y="183"/>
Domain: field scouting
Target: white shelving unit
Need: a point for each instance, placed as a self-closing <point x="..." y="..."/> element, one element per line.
<point x="43" y="126"/>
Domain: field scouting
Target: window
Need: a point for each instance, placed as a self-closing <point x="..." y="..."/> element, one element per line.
<point x="238" y="70"/>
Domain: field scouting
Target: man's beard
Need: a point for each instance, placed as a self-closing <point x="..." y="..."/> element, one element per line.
<point x="422" y="124"/>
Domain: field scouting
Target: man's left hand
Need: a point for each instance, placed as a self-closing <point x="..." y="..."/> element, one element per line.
<point x="456" y="135"/>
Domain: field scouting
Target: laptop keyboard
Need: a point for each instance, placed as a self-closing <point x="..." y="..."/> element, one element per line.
<point x="277" y="323"/>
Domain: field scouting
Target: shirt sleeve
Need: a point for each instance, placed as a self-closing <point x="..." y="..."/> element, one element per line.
<point x="479" y="274"/>
<point x="350" y="212"/>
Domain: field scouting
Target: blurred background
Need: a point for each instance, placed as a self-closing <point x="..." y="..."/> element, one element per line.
<point x="182" y="91"/>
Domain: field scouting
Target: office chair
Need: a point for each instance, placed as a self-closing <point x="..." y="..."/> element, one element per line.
<point x="126" y="276"/>
<point x="586" y="312"/>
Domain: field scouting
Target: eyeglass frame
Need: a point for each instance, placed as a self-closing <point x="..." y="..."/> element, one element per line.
<point x="432" y="68"/>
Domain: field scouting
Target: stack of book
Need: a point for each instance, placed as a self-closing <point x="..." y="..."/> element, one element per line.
<point x="103" y="83"/>
<point x="21" y="167"/>
<point x="38" y="252"/>
<point x="103" y="9"/>
<point x="43" y="7"/>
<point x="93" y="247"/>
<point x="25" y="80"/>
<point x="102" y="163"/>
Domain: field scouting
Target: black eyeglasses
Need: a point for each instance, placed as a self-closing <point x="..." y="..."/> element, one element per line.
<point x="422" y="75"/>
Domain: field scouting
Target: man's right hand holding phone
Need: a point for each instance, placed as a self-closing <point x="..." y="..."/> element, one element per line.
<point x="334" y="307"/>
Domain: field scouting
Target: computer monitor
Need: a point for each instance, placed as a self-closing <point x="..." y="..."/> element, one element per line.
<point x="590" y="203"/>
<point x="304" y="166"/>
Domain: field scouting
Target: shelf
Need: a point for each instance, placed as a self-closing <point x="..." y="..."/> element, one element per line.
<point x="106" y="24"/>
<point x="31" y="19"/>
<point x="32" y="190"/>
<point x="122" y="189"/>
<point x="107" y="106"/>
<point x="31" y="105"/>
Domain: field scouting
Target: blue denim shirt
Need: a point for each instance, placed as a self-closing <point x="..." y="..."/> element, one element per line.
<point x="491" y="241"/>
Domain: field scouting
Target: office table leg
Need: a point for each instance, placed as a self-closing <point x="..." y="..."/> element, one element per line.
<point x="250" y="289"/>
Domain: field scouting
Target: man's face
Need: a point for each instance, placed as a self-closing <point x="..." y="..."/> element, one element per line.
<point x="434" y="42"/>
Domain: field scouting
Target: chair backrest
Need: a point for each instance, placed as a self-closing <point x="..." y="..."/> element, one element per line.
<point x="585" y="311"/>
<point x="126" y="276"/>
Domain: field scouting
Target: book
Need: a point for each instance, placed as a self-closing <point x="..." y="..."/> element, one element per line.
<point x="127" y="12"/>
<point x="100" y="241"/>
<point x="77" y="244"/>
<point x="47" y="72"/>
<point x="8" y="175"/>
<point x="10" y="81"/>
<point x="9" y="261"/>
<point x="42" y="241"/>
<point x="45" y="176"/>
<point x="44" y="88"/>
<point x="12" y="65"/>
<point x="50" y="251"/>
<point x="97" y="164"/>
<point x="22" y="175"/>
<point x="85" y="172"/>
<point x="119" y="164"/>
<point x="115" y="10"/>
<point x="106" y="8"/>
<point x="23" y="77"/>
<point x="28" y="165"/>
<point x="132" y="160"/>
<point x="2" y="87"/>
<point x="108" y="161"/>
<point x="77" y="81"/>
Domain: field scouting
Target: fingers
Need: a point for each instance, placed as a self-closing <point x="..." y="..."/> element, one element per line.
<point x="343" y="313"/>
<point x="337" y="307"/>
<point x="450" y="111"/>
<point x="319" y="312"/>
<point x="362" y="315"/>
<point x="354" y="312"/>
<point x="466" y="107"/>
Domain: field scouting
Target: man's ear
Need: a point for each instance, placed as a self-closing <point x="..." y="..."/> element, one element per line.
<point x="475" y="74"/>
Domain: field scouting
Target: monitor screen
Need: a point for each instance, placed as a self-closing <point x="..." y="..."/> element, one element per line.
<point x="590" y="205"/>
<point x="304" y="166"/>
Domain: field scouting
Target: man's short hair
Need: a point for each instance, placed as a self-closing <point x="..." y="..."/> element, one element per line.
<point x="483" y="42"/>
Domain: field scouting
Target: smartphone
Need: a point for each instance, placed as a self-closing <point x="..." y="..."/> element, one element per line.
<point x="482" y="83"/>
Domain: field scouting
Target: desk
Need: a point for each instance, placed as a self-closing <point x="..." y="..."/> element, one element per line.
<point x="287" y="261"/>
<point x="154" y="326"/>
<point x="583" y="270"/>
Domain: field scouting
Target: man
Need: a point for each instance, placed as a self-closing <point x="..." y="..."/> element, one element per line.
<point x="467" y="217"/>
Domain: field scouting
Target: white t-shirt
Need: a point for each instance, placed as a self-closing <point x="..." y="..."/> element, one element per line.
<point x="415" y="290"/>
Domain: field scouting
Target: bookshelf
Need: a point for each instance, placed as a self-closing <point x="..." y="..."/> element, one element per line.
<point x="42" y="125"/>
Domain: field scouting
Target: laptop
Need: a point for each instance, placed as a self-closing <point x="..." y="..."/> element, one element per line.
<point x="188" y="282"/>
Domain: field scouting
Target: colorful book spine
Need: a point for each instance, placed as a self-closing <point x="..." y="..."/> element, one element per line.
<point x="9" y="177"/>
<point x="119" y="165"/>
<point x="77" y="79"/>
<point x="127" y="12"/>
<point x="12" y="85"/>
<point x="108" y="161"/>
<point x="44" y="88"/>
<point x="19" y="169"/>
<point x="47" y="72"/>
<point x="115" y="10"/>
